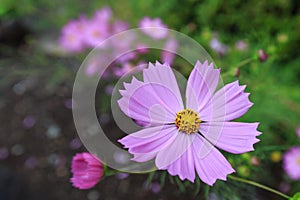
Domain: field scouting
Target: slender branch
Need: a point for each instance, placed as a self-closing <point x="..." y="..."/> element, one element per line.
<point x="259" y="185"/>
<point x="239" y="65"/>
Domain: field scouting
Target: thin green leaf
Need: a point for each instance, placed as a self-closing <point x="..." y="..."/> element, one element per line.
<point x="163" y="179"/>
<point x="197" y="186"/>
<point x="149" y="179"/>
<point x="180" y="184"/>
<point x="206" y="192"/>
<point x="171" y="179"/>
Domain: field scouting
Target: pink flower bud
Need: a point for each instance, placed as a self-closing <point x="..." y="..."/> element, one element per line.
<point x="87" y="171"/>
<point x="262" y="55"/>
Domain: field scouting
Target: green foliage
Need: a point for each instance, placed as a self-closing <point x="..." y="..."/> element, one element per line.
<point x="296" y="196"/>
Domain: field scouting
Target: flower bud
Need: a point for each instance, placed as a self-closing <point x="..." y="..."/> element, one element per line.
<point x="255" y="161"/>
<point x="236" y="72"/>
<point x="262" y="55"/>
<point x="87" y="171"/>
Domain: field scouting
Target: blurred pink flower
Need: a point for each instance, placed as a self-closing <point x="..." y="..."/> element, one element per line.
<point x="87" y="171"/>
<point x="241" y="45"/>
<point x="142" y="48"/>
<point x="126" y="57"/>
<point x="103" y="14"/>
<point x="109" y="89"/>
<point x="98" y="28"/>
<point x="123" y="45"/>
<point x="119" y="26"/>
<point x="120" y="71"/>
<point x="72" y="35"/>
<point x="183" y="138"/>
<point x="151" y="26"/>
<point x="170" y="46"/>
<point x="218" y="47"/>
<point x="298" y="132"/>
<point x="95" y="66"/>
<point x="291" y="163"/>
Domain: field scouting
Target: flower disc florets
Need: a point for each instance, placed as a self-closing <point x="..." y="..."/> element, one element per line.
<point x="187" y="121"/>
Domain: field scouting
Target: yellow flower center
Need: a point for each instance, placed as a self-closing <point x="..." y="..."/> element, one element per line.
<point x="298" y="161"/>
<point x="187" y="121"/>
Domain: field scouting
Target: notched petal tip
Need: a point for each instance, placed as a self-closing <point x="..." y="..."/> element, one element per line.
<point x="122" y="92"/>
<point x="203" y="65"/>
<point x="150" y="66"/>
<point x="120" y="140"/>
<point x="185" y="178"/>
<point x="157" y="63"/>
<point x="258" y="133"/>
<point x="123" y="142"/>
<point x="126" y="85"/>
<point x="243" y="87"/>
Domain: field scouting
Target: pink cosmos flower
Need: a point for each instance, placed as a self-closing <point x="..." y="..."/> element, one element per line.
<point x="72" y="36"/>
<point x="154" y="28"/>
<point x="87" y="171"/>
<point x="123" y="43"/>
<point x="98" y="28"/>
<point x="218" y="47"/>
<point x="120" y="71"/>
<point x="119" y="26"/>
<point x="183" y="139"/>
<point x="291" y="163"/>
<point x="298" y="132"/>
<point x="103" y="14"/>
<point x="241" y="45"/>
<point x="142" y="48"/>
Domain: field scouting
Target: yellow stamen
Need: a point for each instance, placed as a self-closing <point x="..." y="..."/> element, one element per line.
<point x="187" y="121"/>
<point x="298" y="161"/>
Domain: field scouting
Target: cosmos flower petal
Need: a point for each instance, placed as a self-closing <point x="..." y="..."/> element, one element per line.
<point x="183" y="166"/>
<point x="162" y="74"/>
<point x="143" y="157"/>
<point x="228" y="103"/>
<point x="149" y="140"/>
<point x="87" y="171"/>
<point x="233" y="137"/>
<point x="201" y="85"/>
<point x="210" y="164"/>
<point x="174" y="150"/>
<point x="291" y="163"/>
<point x="149" y="103"/>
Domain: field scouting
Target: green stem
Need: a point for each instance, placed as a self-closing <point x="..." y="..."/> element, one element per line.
<point x="259" y="185"/>
<point x="244" y="62"/>
<point x="239" y="65"/>
<point x="149" y="179"/>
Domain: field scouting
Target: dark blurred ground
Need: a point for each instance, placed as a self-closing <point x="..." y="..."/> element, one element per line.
<point x="35" y="157"/>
